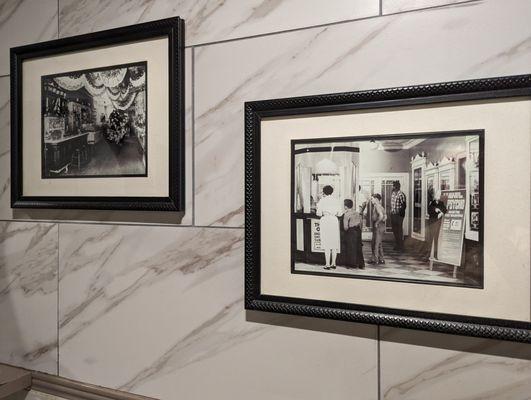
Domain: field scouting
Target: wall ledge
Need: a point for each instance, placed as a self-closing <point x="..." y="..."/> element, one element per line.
<point x="13" y="380"/>
<point x="74" y="390"/>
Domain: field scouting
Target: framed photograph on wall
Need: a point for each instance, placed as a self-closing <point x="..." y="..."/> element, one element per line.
<point x="97" y="120"/>
<point x="387" y="206"/>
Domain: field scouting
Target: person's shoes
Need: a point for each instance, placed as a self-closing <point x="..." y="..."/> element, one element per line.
<point x="332" y="267"/>
<point x="371" y="262"/>
<point x="361" y="267"/>
<point x="327" y="268"/>
<point x="381" y="262"/>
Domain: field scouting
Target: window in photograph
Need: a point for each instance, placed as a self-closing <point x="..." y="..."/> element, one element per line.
<point x="389" y="208"/>
<point x="94" y="123"/>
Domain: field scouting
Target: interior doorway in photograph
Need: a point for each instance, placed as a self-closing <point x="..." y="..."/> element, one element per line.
<point x="94" y="122"/>
<point x="401" y="207"/>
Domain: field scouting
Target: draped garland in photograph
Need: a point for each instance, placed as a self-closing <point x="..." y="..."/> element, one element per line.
<point x="120" y="86"/>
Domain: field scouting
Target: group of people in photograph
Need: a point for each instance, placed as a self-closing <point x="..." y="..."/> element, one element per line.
<point x="329" y="210"/>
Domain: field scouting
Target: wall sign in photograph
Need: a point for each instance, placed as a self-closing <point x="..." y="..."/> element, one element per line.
<point x="380" y="207"/>
<point x="98" y="120"/>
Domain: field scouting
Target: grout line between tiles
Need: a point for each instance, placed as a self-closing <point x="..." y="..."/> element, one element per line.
<point x="380" y="4"/>
<point x="378" y="365"/>
<point x="325" y="25"/>
<point x="115" y="223"/>
<point x="58" y="264"/>
<point x="303" y="28"/>
<point x="58" y="26"/>
<point x="448" y="5"/>
<point x="193" y="135"/>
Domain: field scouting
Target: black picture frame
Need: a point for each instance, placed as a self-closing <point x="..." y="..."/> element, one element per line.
<point x="173" y="29"/>
<point x="437" y="93"/>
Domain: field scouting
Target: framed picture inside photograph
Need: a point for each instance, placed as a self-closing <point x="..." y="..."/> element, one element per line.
<point x="97" y="120"/>
<point x="405" y="207"/>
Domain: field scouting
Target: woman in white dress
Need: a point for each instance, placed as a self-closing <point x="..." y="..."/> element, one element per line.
<point x="328" y="208"/>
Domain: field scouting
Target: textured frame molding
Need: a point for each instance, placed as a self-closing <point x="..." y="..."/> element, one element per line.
<point x="173" y="28"/>
<point x="468" y="90"/>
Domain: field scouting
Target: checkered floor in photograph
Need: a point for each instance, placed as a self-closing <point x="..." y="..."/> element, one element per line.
<point x="406" y="265"/>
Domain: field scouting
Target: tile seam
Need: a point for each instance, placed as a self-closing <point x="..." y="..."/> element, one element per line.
<point x="118" y="224"/>
<point x="324" y="25"/>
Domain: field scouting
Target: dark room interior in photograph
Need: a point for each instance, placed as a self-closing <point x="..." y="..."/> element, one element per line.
<point x="94" y="122"/>
<point x="398" y="207"/>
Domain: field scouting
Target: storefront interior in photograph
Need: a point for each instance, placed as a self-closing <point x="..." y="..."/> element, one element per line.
<point x="94" y="123"/>
<point x="399" y="207"/>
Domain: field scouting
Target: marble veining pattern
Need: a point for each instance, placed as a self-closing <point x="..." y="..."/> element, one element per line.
<point x="4" y="148"/>
<point x="188" y="283"/>
<point x="441" y="366"/>
<point x="106" y="271"/>
<point x="159" y="310"/>
<point x="5" y="178"/>
<point x="374" y="53"/>
<point x="28" y="295"/>
<point x="23" y="22"/>
<point x="207" y="20"/>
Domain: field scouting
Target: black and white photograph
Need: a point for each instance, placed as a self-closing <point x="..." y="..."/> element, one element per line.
<point x="402" y="207"/>
<point x="94" y="122"/>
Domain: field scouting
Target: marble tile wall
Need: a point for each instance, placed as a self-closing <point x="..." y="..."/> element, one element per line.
<point x="23" y="22"/>
<point x="5" y="211"/>
<point x="373" y="53"/>
<point x="211" y="21"/>
<point x="28" y="295"/>
<point x="153" y="304"/>
<point x="188" y="284"/>
<point x="395" y="6"/>
<point x="426" y="365"/>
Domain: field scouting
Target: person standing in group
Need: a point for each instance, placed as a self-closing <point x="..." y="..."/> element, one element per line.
<point x="398" y="212"/>
<point x="378" y="229"/>
<point x="328" y="209"/>
<point x="353" y="254"/>
<point x="436" y="210"/>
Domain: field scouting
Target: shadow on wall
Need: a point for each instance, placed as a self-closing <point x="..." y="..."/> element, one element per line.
<point x="397" y="335"/>
<point x="464" y="344"/>
<point x="313" y="324"/>
<point x="111" y="216"/>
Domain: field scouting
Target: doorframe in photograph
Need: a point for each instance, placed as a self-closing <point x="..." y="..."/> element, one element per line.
<point x="403" y="178"/>
<point x="418" y="162"/>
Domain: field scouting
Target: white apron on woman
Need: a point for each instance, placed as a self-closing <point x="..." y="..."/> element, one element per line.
<point x="329" y="208"/>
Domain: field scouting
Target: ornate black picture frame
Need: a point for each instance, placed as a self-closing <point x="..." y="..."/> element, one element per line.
<point x="94" y="120"/>
<point x="490" y="90"/>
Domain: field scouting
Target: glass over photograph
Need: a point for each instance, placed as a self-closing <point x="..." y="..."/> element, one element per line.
<point x="405" y="207"/>
<point x="94" y="122"/>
